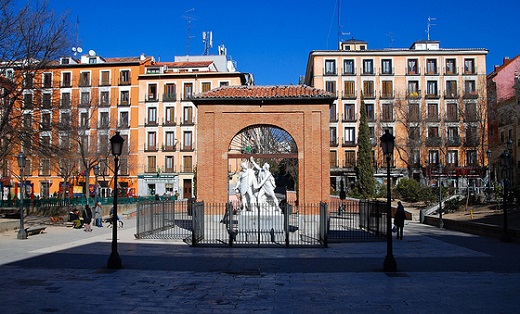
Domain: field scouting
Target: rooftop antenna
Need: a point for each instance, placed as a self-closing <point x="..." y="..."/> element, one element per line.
<point x="207" y="39"/>
<point x="391" y="35"/>
<point x="189" y="30"/>
<point x="429" y="26"/>
<point x="77" y="49"/>
<point x="339" y="26"/>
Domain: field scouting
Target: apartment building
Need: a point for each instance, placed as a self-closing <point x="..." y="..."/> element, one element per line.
<point x="431" y="98"/>
<point x="504" y="112"/>
<point x="168" y="119"/>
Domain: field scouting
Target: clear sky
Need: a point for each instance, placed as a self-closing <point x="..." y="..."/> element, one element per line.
<point x="272" y="39"/>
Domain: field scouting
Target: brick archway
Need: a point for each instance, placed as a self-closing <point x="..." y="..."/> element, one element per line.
<point x="301" y="111"/>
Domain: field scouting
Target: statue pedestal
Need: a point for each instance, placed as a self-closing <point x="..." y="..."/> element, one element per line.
<point x="263" y="227"/>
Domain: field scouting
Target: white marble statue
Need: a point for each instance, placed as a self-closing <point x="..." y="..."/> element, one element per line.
<point x="265" y="186"/>
<point x="245" y="184"/>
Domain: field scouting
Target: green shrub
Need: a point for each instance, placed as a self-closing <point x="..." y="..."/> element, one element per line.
<point x="409" y="190"/>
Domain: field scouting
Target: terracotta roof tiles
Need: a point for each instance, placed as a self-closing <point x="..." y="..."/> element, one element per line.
<point x="264" y="92"/>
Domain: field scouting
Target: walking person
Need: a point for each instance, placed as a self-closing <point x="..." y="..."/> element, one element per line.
<point x="98" y="214"/>
<point x="87" y="218"/>
<point x="399" y="220"/>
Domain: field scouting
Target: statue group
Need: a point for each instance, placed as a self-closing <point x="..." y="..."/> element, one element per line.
<point x="256" y="190"/>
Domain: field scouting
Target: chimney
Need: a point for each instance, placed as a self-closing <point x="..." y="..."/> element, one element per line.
<point x="142" y="57"/>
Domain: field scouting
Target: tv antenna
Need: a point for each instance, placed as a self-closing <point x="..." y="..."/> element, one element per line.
<point x="77" y="49"/>
<point x="429" y="25"/>
<point x="207" y="39"/>
<point x="189" y="29"/>
<point x="391" y="36"/>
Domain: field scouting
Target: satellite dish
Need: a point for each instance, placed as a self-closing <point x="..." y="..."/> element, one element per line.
<point x="80" y="50"/>
<point x="92" y="53"/>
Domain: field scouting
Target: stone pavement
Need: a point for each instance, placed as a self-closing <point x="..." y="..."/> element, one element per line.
<point x="64" y="271"/>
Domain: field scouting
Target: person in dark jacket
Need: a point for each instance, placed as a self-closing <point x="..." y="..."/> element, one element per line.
<point x="399" y="220"/>
<point x="87" y="219"/>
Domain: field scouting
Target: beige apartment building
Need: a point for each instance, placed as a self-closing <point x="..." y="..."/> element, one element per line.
<point x="167" y="119"/>
<point x="432" y="99"/>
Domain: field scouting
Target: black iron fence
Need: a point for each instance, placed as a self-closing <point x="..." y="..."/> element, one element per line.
<point x="292" y="225"/>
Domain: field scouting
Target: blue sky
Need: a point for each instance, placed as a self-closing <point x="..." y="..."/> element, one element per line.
<point x="272" y="39"/>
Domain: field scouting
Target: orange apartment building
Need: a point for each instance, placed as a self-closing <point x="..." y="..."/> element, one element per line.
<point x="432" y="99"/>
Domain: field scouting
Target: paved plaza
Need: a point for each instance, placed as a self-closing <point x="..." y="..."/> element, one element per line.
<point x="439" y="271"/>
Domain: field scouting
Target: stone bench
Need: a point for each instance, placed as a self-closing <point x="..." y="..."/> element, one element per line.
<point x="35" y="230"/>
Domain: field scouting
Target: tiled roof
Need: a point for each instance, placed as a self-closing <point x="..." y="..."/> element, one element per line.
<point x="264" y="92"/>
<point x="183" y="64"/>
<point x="123" y="59"/>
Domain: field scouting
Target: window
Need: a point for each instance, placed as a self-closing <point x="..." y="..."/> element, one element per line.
<point x="368" y="89"/>
<point x="349" y="137"/>
<point x="388" y="113"/>
<point x="452" y="158"/>
<point x="65" y="142"/>
<point x="412" y="66"/>
<point x="45" y="167"/>
<point x="388" y="89"/>
<point x="471" y="158"/>
<point x="47" y="101"/>
<point x="224" y="83"/>
<point x="333" y="136"/>
<point x="451" y="89"/>
<point x="330" y="86"/>
<point x="433" y="112"/>
<point x="470" y="88"/>
<point x="125" y="97"/>
<point x="469" y="66"/>
<point x="413" y="89"/>
<point x="104" y="98"/>
<point x="453" y="136"/>
<point x="124" y="77"/>
<point x="451" y="66"/>
<point x="386" y="66"/>
<point x="349" y="89"/>
<point x="433" y="157"/>
<point x="414" y="113"/>
<point x="46" y="121"/>
<point x="350" y="158"/>
<point x="188" y="90"/>
<point x="187" y="115"/>
<point x="370" y="112"/>
<point x="432" y="88"/>
<point x="471" y="136"/>
<point x="104" y="144"/>
<point x="431" y="66"/>
<point x="28" y="80"/>
<point x="152" y="92"/>
<point x="330" y="67"/>
<point x="28" y="101"/>
<point x="471" y="112"/>
<point x="368" y="66"/>
<point x="65" y="100"/>
<point x="168" y="164"/>
<point x="28" y="121"/>
<point x="105" y="78"/>
<point x="152" y="115"/>
<point x="333" y="158"/>
<point x="169" y="92"/>
<point x="47" y="80"/>
<point x="414" y="133"/>
<point x="170" y="115"/>
<point x="350" y="112"/>
<point x="103" y="120"/>
<point x="152" y="141"/>
<point x="333" y="116"/>
<point x="170" y="141"/>
<point x="151" y="164"/>
<point x="66" y="79"/>
<point x="452" y="112"/>
<point x="123" y="119"/>
<point x="85" y="98"/>
<point x="83" y="120"/>
<point x="416" y="157"/>
<point x="187" y="163"/>
<point x="188" y="140"/>
<point x="348" y="67"/>
<point x="84" y="79"/>
<point x="206" y="86"/>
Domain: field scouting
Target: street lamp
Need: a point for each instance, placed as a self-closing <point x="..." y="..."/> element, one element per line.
<point x="441" y="223"/>
<point x="387" y="144"/>
<point x="116" y="144"/>
<point x="488" y="194"/>
<point x="96" y="173"/>
<point x="505" y="159"/>
<point x="21" y="163"/>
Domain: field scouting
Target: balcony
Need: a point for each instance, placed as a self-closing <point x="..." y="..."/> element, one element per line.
<point x="188" y="121"/>
<point x="348" y="117"/>
<point x="45" y="127"/>
<point x="348" y="95"/>
<point x="170" y="97"/>
<point x="151" y="98"/>
<point x="334" y="142"/>
<point x="433" y="118"/>
<point x="334" y="164"/>
<point x="349" y="165"/>
<point x="334" y="118"/>
<point x="433" y="141"/>
<point x="387" y="117"/>
<point x="123" y="103"/>
<point x="103" y="126"/>
<point x="412" y="71"/>
<point x="351" y="72"/>
<point x="169" y="169"/>
<point x="65" y="104"/>
<point x="170" y="122"/>
<point x="150" y="148"/>
<point x="451" y="95"/>
<point x="387" y="95"/>
<point x="187" y="148"/>
<point x="470" y="117"/>
<point x="349" y="144"/>
<point x="387" y="72"/>
<point x="470" y="95"/>
<point x="452" y="71"/>
<point x="104" y="103"/>
<point x="150" y="122"/>
<point x="123" y="125"/>
<point x="125" y="82"/>
<point x="432" y="95"/>
<point x="471" y="142"/>
<point x="453" y="141"/>
<point x="432" y="71"/>
<point x="413" y="94"/>
<point x="369" y="94"/>
<point x="187" y="169"/>
<point x="414" y="142"/>
<point x="105" y="83"/>
<point x="84" y="104"/>
<point x="66" y="85"/>
<point x="168" y="148"/>
<point x="452" y="118"/>
<point x="330" y="72"/>
<point x="84" y="83"/>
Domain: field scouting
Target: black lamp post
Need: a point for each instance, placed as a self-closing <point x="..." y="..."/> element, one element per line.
<point x="441" y="223"/>
<point x="488" y="188"/>
<point x="96" y="173"/>
<point x="505" y="159"/>
<point x="387" y="144"/>
<point x="116" y="144"/>
<point x="21" y="163"/>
